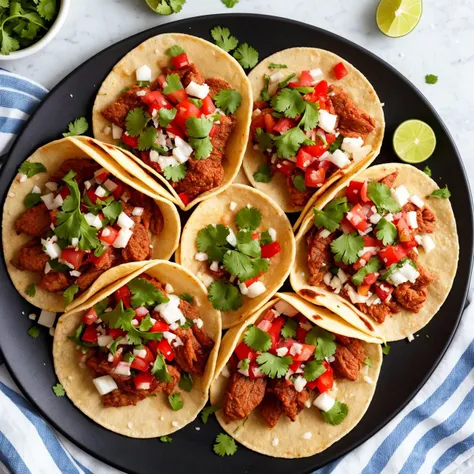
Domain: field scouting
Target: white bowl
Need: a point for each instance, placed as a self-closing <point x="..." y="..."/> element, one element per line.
<point x="52" y="32"/>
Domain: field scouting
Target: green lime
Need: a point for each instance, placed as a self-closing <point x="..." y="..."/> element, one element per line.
<point x="397" y="18"/>
<point x="414" y="141"/>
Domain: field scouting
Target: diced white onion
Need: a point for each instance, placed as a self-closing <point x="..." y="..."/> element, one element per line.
<point x="324" y="402"/>
<point x="339" y="158"/>
<point x="352" y="144"/>
<point x="201" y="257"/>
<point x="122" y="238"/>
<point x="123" y="368"/>
<point x="198" y="322"/>
<point x="104" y="340"/>
<point x="140" y="353"/>
<point x="285" y="308"/>
<point x="51" y="249"/>
<point x="256" y="289"/>
<point x="48" y="200"/>
<point x="243" y="288"/>
<point x="197" y="90"/>
<point x="51" y="186"/>
<point x="170" y="311"/>
<point x="295" y="349"/>
<point x="325" y="233"/>
<point x="327" y="121"/>
<point x="231" y="238"/>
<point x="273" y="234"/>
<point x="361" y="153"/>
<point x="401" y="195"/>
<point x="58" y="201"/>
<point x="282" y="351"/>
<point x="427" y="242"/>
<point x="47" y="318"/>
<point x="143" y="74"/>
<point x="100" y="191"/>
<point x="117" y="132"/>
<point x="36" y="189"/>
<point x="232" y="206"/>
<point x="214" y="266"/>
<point x="104" y="384"/>
<point x="417" y="201"/>
<point x="299" y="383"/>
<point x="93" y="220"/>
<point x="412" y="219"/>
<point x="327" y="278"/>
<point x="276" y="77"/>
<point x="341" y="274"/>
<point x="110" y="185"/>
<point x="124" y="221"/>
<point x="316" y="74"/>
<point x="374" y="218"/>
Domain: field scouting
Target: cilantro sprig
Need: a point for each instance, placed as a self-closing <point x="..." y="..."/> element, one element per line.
<point x="246" y="55"/>
<point x="77" y="127"/>
<point x="273" y="365"/>
<point x="224" y="296"/>
<point x="346" y="248"/>
<point x="224" y="39"/>
<point x="443" y="193"/>
<point x="323" y="340"/>
<point x="373" y="265"/>
<point x="228" y="100"/>
<point x="331" y="215"/>
<point x="30" y="168"/>
<point x="381" y="196"/>
<point x="224" y="445"/>
<point x="257" y="339"/>
<point x="337" y="414"/>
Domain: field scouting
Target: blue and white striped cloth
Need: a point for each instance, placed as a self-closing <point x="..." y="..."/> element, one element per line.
<point x="434" y="433"/>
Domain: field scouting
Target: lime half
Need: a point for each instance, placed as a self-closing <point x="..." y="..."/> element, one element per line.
<point x="414" y="141"/>
<point x="397" y="18"/>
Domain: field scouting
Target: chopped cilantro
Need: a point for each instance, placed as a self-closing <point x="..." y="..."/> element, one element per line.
<point x="202" y="147"/>
<point x="173" y="84"/>
<point x="114" y="346"/>
<point x="257" y="339"/>
<point x="187" y="297"/>
<point x="323" y="340"/>
<point x="273" y="66"/>
<point x="159" y="369"/>
<point x="244" y="363"/>
<point x="368" y="362"/>
<point x="289" y="102"/>
<point x="174" y="51"/>
<point x="337" y="414"/>
<point x="129" y="357"/>
<point x="32" y="199"/>
<point x="373" y="265"/>
<point x="346" y="248"/>
<point x="223" y="38"/>
<point x="335" y="145"/>
<point x="146" y="324"/>
<point x="213" y="241"/>
<point x="225" y="445"/>
<point x="119" y="318"/>
<point x="224" y="296"/>
<point x="228" y="100"/>
<point x="230" y="3"/>
<point x="289" y="142"/>
<point x="175" y="402"/>
<point x="263" y="174"/>
<point x="58" y="390"/>
<point x="313" y="370"/>
<point x="147" y="138"/>
<point x="247" y="245"/>
<point x="198" y="127"/>
<point x="31" y="290"/>
<point x="381" y="196"/>
<point x="30" y="169"/>
<point x="112" y="210"/>
<point x="69" y="293"/>
<point x="246" y="56"/>
<point x="34" y="332"/>
<point x="239" y="264"/>
<point x="442" y="193"/>
<point x="286" y="81"/>
<point x="166" y="439"/>
<point x="143" y="83"/>
<point x="431" y="79"/>
<point x="145" y="293"/>
<point x="196" y="102"/>
<point x="386" y="231"/>
<point x="248" y="218"/>
<point x="209" y="410"/>
<point x="265" y="238"/>
<point x="78" y="127"/>
<point x="166" y="116"/>
<point x="299" y="182"/>
<point x="310" y="118"/>
<point x="386" y="349"/>
<point x="186" y="381"/>
<point x="167" y="7"/>
<point x="136" y="120"/>
<point x="289" y="329"/>
<point x="332" y="213"/>
<point x="264" y="139"/>
<point x="175" y="173"/>
<point x="427" y="171"/>
<point x="274" y="366"/>
<point x="264" y="94"/>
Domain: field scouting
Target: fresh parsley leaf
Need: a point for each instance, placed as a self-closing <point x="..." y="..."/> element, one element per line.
<point x="263" y="174"/>
<point x="69" y="293"/>
<point x="228" y="100"/>
<point x="159" y="369"/>
<point x="336" y="144"/>
<point x="381" y="196"/>
<point x="225" y="445"/>
<point x="386" y="231"/>
<point x="310" y="118"/>
<point x="289" y="329"/>
<point x="224" y="296"/>
<point x="186" y="381"/>
<point x="286" y="81"/>
<point x="289" y="142"/>
<point x="136" y="121"/>
<point x="331" y="215"/>
<point x="187" y="297"/>
<point x="147" y="138"/>
<point x="78" y="127"/>
<point x="274" y="366"/>
<point x="166" y="116"/>
<point x="386" y="349"/>
<point x="346" y="248"/>
<point x="32" y="199"/>
<point x="58" y="390"/>
<point x="145" y="293"/>
<point x="246" y="56"/>
<point x="213" y="241"/>
<point x="30" y="169"/>
<point x="248" y="218"/>
<point x="264" y="139"/>
<point x="223" y="38"/>
<point x="199" y="127"/>
<point x="299" y="182"/>
<point x="173" y="84"/>
<point x="166" y="439"/>
<point x="31" y="290"/>
<point x="264" y="94"/>
<point x="313" y="370"/>
<point x="373" y="265"/>
<point x="289" y="102"/>
<point x="323" y="340"/>
<point x="273" y="66"/>
<point x="209" y="410"/>
<point x="230" y="3"/>
<point x="337" y="414"/>
<point x="202" y="147"/>
<point x="265" y="238"/>
<point x="175" y="402"/>
<point x="34" y="332"/>
<point x="257" y="339"/>
<point x="247" y="245"/>
<point x="431" y="79"/>
<point x="427" y="171"/>
<point x="442" y="193"/>
<point x="368" y="362"/>
<point x="174" y="51"/>
<point x="175" y="173"/>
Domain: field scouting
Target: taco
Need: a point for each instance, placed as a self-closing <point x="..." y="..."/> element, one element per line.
<point x="241" y="245"/>
<point x="294" y="378"/>
<point x="316" y="119"/>
<point x="71" y="216"/>
<point x="138" y="357"/>
<point x="180" y="107"/>
<point x="381" y="251"/>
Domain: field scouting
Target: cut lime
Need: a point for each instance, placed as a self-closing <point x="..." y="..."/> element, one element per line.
<point x="414" y="141"/>
<point x="397" y="18"/>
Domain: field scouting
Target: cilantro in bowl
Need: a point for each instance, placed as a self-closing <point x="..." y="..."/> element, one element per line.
<point x="24" y="23"/>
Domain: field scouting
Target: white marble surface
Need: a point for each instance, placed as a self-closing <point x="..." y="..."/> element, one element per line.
<point x="441" y="44"/>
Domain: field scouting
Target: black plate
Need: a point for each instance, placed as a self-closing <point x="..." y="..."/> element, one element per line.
<point x="404" y="371"/>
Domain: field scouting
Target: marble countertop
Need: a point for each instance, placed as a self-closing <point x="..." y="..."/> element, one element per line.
<point x="441" y="44"/>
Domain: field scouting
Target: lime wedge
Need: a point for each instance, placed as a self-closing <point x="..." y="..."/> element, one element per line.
<point x="414" y="141"/>
<point x="397" y="18"/>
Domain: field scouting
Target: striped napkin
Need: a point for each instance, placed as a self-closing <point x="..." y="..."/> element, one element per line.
<point x="433" y="434"/>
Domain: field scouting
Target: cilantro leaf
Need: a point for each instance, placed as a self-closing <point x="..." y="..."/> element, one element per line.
<point x="381" y="196"/>
<point x="159" y="369"/>
<point x="310" y="118"/>
<point x="248" y="218"/>
<point x="166" y="439"/>
<point x="167" y="7"/>
<point x="228" y="100"/>
<point x="313" y="370"/>
<point x="239" y="264"/>
<point x="299" y="182"/>
<point x="442" y="193"/>
<point x="186" y="381"/>
<point x="264" y="139"/>
<point x="147" y="138"/>
<point x="174" y="51"/>
<point x="166" y="116"/>
<point x="265" y="238"/>
<point x="230" y="3"/>
<point x="224" y="296"/>
<point x="173" y="84"/>
<point x="175" y="402"/>
<point x="202" y="147"/>
<point x="196" y="102"/>
<point x="34" y="332"/>
<point x="289" y="102"/>
<point x="264" y="94"/>
<point x="145" y="293"/>
<point x="223" y="38"/>
<point x="431" y="79"/>
<point x="9" y="44"/>
<point x="69" y="293"/>
<point x="289" y="142"/>
<point x="225" y="445"/>
<point x="31" y="290"/>
<point x="146" y="324"/>
<point x="427" y="171"/>
<point x="119" y="318"/>
<point x="199" y="127"/>
<point x="78" y="127"/>
<point x="337" y="414"/>
<point x="112" y="210"/>
<point x="213" y="241"/>
<point x="58" y="390"/>
<point x="336" y="144"/>
<point x="247" y="245"/>
<point x="209" y="410"/>
<point x="263" y="174"/>
<point x="331" y="215"/>
<point x="257" y="339"/>
<point x="136" y="121"/>
<point x="246" y="56"/>
<point x="289" y="329"/>
<point x="30" y="169"/>
<point x="273" y="66"/>
<point x="386" y="349"/>
<point x="323" y="340"/>
<point x="386" y="231"/>
<point x="32" y="199"/>
<point x="346" y="248"/>
<point x="175" y="173"/>
<point x="286" y="81"/>
<point x="274" y="366"/>
<point x="368" y="362"/>
<point x="187" y="297"/>
<point x="373" y="265"/>
<point x="47" y="9"/>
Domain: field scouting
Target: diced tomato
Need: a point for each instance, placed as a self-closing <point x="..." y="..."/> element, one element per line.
<point x="118" y="191"/>
<point x="185" y="198"/>
<point x="115" y="333"/>
<point x="370" y="279"/>
<point x="149" y="358"/>
<point x="364" y="259"/>
<point x="130" y="141"/>
<point x="73" y="257"/>
<point x="254" y="372"/>
<point x="266" y="322"/>
<point x="258" y="122"/>
<point x="186" y="109"/>
<point x="52" y="215"/>
<point x="295" y="365"/>
<point x="156" y="101"/>
<point x="117" y="358"/>
<point x="141" y="313"/>
<point x="314" y="178"/>
<point x="321" y="88"/>
<point x="143" y="380"/>
<point x="90" y="316"/>
<point x="286" y="167"/>
<point x="306" y="80"/>
<point x="250" y="281"/>
<point x="301" y="333"/>
<point x="316" y="150"/>
<point x="410" y="244"/>
<point x="93" y="196"/>
<point x="180" y="61"/>
<point x="213" y="130"/>
<point x="159" y="326"/>
<point x="358" y="217"/>
<point x="283" y="125"/>
<point x="330" y="138"/>
<point x="165" y="348"/>
<point x="242" y="351"/>
<point x="364" y="195"/>
<point x="304" y="159"/>
<point x="392" y="254"/>
<point x="383" y="290"/>
<point x="274" y="331"/>
<point x="90" y="334"/>
<point x="269" y="122"/>
<point x="139" y="364"/>
<point x="178" y="96"/>
<point x="162" y="80"/>
<point x="270" y="250"/>
<point x="123" y="295"/>
<point x="64" y="192"/>
<point x="370" y="241"/>
<point x="255" y="236"/>
<point x="307" y="351"/>
<point x="111" y="235"/>
<point x="340" y="71"/>
<point x="404" y="232"/>
<point x="208" y="106"/>
<point x="325" y="381"/>
<point x="353" y="191"/>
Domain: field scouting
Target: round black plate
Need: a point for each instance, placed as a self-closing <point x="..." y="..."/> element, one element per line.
<point x="405" y="369"/>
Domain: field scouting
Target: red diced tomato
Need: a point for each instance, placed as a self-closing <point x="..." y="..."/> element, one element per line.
<point x="64" y="192"/>
<point x="52" y="215"/>
<point x="150" y="357"/>
<point x="286" y="167"/>
<point x="353" y="191"/>
<point x="314" y="178"/>
<point x="242" y="351"/>
<point x="130" y="141"/>
<point x="325" y="381"/>
<point x="143" y="381"/>
<point x="139" y="364"/>
<point x="340" y="70"/>
<point x="364" y="195"/>
<point x="250" y="281"/>
<point x="304" y="159"/>
<point x="270" y="250"/>
<point x="178" y="96"/>
<point x="316" y="150"/>
<point x="118" y="191"/>
<point x="162" y="81"/>
<point x="258" y="122"/>
<point x="254" y="372"/>
<point x="213" y="130"/>
<point x="392" y="254"/>
<point x="410" y="244"/>
<point x="159" y="326"/>
<point x="295" y="365"/>
<point x="73" y="257"/>
<point x="283" y="125"/>
<point x="165" y="348"/>
<point x="383" y="291"/>
<point x="90" y="317"/>
<point x="301" y="334"/>
<point x="255" y="236"/>
<point x="181" y="61"/>
<point x="111" y="235"/>
<point x="321" y="88"/>
<point x="184" y="198"/>
<point x="186" y="109"/>
<point x="370" y="279"/>
<point x="404" y="232"/>
<point x="307" y="351"/>
<point x="269" y="122"/>
<point x="358" y="217"/>
<point x="156" y="101"/>
<point x="115" y="333"/>
<point x="370" y="241"/>
<point x="274" y="331"/>
<point x="90" y="334"/>
<point x="123" y="295"/>
<point x="306" y="80"/>
<point x="117" y="358"/>
<point x="346" y="226"/>
<point x="208" y="106"/>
